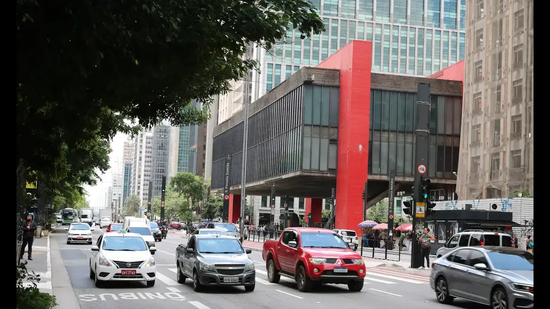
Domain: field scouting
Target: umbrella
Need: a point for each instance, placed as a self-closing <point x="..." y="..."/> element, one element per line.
<point x="381" y="226"/>
<point x="367" y="223"/>
<point x="405" y="227"/>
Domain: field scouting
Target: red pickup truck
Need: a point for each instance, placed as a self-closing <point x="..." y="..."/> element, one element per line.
<point x="313" y="255"/>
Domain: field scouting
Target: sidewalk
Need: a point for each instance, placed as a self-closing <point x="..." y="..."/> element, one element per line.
<point x="40" y="264"/>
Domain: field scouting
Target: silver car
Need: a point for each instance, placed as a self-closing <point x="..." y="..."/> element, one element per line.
<point x="501" y="277"/>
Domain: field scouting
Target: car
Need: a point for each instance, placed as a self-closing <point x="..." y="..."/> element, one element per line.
<point x="58" y="218"/>
<point x="349" y="236"/>
<point x="120" y="256"/>
<point x="104" y="222"/>
<point x="215" y="260"/>
<point x="313" y="255"/>
<point x="208" y="231"/>
<point x="144" y="230"/>
<point x="175" y="225"/>
<point x="501" y="277"/>
<point x="157" y="235"/>
<point x="230" y="227"/>
<point x="473" y="238"/>
<point x="114" y="227"/>
<point x="79" y="233"/>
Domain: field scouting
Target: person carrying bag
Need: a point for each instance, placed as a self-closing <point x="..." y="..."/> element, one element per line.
<point x="425" y="246"/>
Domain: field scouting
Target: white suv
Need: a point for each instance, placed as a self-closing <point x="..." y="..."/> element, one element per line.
<point x="349" y="236"/>
<point x="472" y="238"/>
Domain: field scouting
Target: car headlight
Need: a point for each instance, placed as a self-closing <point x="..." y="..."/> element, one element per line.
<point x="317" y="261"/>
<point x="358" y="261"/>
<point x="522" y="287"/>
<point x="104" y="262"/>
<point x="150" y="262"/>
<point x="249" y="267"/>
<point x="207" y="267"/>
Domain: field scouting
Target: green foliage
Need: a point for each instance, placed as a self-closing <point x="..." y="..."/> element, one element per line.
<point x="326" y="214"/>
<point x="213" y="207"/>
<point x="191" y="187"/>
<point x="131" y="205"/>
<point x="29" y="296"/>
<point x="175" y="205"/>
<point x="379" y="212"/>
<point x="522" y="193"/>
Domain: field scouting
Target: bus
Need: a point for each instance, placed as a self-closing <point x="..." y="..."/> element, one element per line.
<point x="69" y="215"/>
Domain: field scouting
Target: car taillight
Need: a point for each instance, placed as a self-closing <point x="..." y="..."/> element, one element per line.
<point x="356" y="238"/>
<point x="433" y="265"/>
<point x="481" y="243"/>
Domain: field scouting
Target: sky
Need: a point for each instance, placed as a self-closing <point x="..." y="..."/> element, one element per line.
<point x="96" y="194"/>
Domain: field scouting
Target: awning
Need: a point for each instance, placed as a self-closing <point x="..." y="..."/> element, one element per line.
<point x="493" y="223"/>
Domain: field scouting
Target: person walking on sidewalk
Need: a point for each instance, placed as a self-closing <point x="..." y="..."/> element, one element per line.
<point x="28" y="237"/>
<point x="425" y="244"/>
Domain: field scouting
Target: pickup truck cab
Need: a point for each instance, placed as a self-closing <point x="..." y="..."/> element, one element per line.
<point x="313" y="255"/>
<point x="214" y="260"/>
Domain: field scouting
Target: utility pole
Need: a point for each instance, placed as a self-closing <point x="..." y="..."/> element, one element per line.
<point x="245" y="152"/>
<point x="149" y="198"/>
<point x="422" y="134"/>
<point x="162" y="198"/>
<point x="365" y="201"/>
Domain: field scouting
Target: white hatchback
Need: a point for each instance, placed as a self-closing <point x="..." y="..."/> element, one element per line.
<point x="350" y="237"/>
<point x="120" y="256"/>
<point x="79" y="233"/>
<point x="104" y="222"/>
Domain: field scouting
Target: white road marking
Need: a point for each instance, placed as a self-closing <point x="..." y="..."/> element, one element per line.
<point x="286" y="293"/>
<point x="264" y="282"/>
<point x="174" y="270"/>
<point x="172" y="289"/>
<point x="198" y="304"/>
<point x="397" y="295"/>
<point x="166" y="280"/>
<point x="166" y="265"/>
<point x="175" y="243"/>
<point x="158" y="250"/>
<point x="380" y="281"/>
<point x="397" y="278"/>
<point x="263" y="272"/>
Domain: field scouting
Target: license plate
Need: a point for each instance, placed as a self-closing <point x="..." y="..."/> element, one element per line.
<point x="340" y="270"/>
<point x="231" y="279"/>
<point x="128" y="272"/>
<point x="80" y="237"/>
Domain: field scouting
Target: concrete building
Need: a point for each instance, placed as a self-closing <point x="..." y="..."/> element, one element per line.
<point x="159" y="153"/>
<point x="127" y="160"/>
<point x="210" y="124"/>
<point x="497" y="149"/>
<point x="109" y="198"/>
<point x="117" y="186"/>
<point x="142" y="163"/>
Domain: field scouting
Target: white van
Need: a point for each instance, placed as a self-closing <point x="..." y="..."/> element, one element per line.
<point x="474" y="238"/>
<point x="142" y="229"/>
<point x="131" y="220"/>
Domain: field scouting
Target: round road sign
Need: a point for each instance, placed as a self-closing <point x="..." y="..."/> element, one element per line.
<point x="421" y="169"/>
<point x="226" y="197"/>
<point x="391" y="217"/>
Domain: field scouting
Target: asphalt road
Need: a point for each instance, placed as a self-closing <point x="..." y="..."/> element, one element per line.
<point x="382" y="288"/>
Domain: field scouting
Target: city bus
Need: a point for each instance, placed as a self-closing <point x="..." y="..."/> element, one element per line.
<point x="69" y="215"/>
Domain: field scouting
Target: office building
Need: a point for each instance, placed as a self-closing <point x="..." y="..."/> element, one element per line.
<point x="142" y="162"/>
<point x="127" y="174"/>
<point x="159" y="152"/>
<point x="210" y="124"/>
<point x="117" y="187"/>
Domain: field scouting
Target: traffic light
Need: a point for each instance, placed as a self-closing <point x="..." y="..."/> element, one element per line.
<point x="424" y="190"/>
<point x="429" y="206"/>
<point x="331" y="201"/>
<point x="272" y="204"/>
<point x="363" y="196"/>
<point x="408" y="207"/>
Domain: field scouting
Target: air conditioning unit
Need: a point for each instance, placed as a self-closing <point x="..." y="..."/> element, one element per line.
<point x="441" y="198"/>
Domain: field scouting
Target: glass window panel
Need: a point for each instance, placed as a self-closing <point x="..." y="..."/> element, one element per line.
<point x="277" y="74"/>
<point x="306" y="164"/>
<point x="400" y="164"/>
<point x="332" y="156"/>
<point x="333" y="36"/>
<point x="412" y="45"/>
<point x="333" y="112"/>
<point x="330" y="7"/>
<point x="377" y="48"/>
<point x="403" y="56"/>
<point x="370" y="32"/>
<point x="400" y="11"/>
<point x="288" y="51"/>
<point x="325" y="40"/>
<point x="377" y="116"/>
<point x="437" y="51"/>
<point x="454" y="47"/>
<point x="409" y="114"/>
<point x="308" y="104"/>
<point x="365" y="9"/>
<point x="370" y="153"/>
<point x="383" y="11"/>
<point x="434" y="11"/>
<point x="343" y="33"/>
<point x="296" y="68"/>
<point x="376" y="157"/>
<point x="385" y="110"/>
<point x="307" y="51"/>
<point x="316" y="105"/>
<point x="351" y="31"/>
<point x="408" y="159"/>
<point x="420" y="53"/>
<point x="456" y="155"/>
<point x="347" y="9"/>
<point x="449" y="14"/>
<point x="297" y="47"/>
<point x="384" y="158"/>
<point x="386" y="48"/>
<point x="432" y="157"/>
<point x="457" y="115"/>
<point x="401" y="107"/>
<point x="316" y="4"/>
<point x="288" y="71"/>
<point x="462" y="14"/>
<point x="361" y="31"/>
<point x="269" y="84"/>
<point x="445" y="53"/>
<point x="393" y="111"/>
<point x="323" y="163"/>
<point x="440" y="115"/>
<point x="449" y="115"/>
<point x="392" y="155"/>
<point x="325" y="99"/>
<point x="429" y="52"/>
<point x="433" y="114"/>
<point x="461" y="46"/>
<point x="315" y="143"/>
<point x="417" y="12"/>
<point x="395" y="49"/>
<point x="316" y="50"/>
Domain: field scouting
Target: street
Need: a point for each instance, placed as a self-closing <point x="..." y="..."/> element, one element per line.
<point x="383" y="287"/>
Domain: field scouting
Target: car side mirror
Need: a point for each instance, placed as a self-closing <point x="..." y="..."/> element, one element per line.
<point x="95" y="248"/>
<point x="152" y="250"/>
<point x="481" y="266"/>
<point x="66" y="229"/>
<point x="248" y="251"/>
<point x="292" y="244"/>
<point x="189" y="250"/>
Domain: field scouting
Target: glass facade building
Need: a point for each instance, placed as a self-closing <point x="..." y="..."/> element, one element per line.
<point x="412" y="37"/>
<point x="127" y="181"/>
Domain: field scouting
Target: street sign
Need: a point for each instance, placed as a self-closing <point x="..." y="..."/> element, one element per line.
<point x="226" y="197"/>
<point x="420" y="209"/>
<point x="391" y="217"/>
<point x="421" y="169"/>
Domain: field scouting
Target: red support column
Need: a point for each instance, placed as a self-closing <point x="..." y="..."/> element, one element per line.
<point x="315" y="207"/>
<point x="234" y="208"/>
<point x="354" y="62"/>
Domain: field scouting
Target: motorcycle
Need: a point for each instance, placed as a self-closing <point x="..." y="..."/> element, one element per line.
<point x="164" y="231"/>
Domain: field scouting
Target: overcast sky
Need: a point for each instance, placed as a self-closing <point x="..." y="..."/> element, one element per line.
<point x="96" y="194"/>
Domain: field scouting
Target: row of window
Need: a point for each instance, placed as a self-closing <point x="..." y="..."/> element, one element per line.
<point x="321" y="105"/>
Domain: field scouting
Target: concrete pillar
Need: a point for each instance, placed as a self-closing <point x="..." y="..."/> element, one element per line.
<point x="234" y="208"/>
<point x="315" y="207"/>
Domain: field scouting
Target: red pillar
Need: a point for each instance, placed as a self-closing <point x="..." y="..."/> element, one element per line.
<point x="354" y="62"/>
<point x="234" y="208"/>
<point x="315" y="207"/>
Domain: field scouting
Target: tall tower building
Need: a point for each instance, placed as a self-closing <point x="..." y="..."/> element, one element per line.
<point x="411" y="37"/>
<point x="142" y="165"/>
<point x="127" y="174"/>
<point x="497" y="130"/>
<point x="159" y="152"/>
<point x="117" y="189"/>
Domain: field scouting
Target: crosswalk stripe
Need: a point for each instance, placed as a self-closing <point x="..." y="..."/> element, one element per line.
<point x="264" y="282"/>
<point x="166" y="280"/>
<point x="400" y="275"/>
<point x="379" y="281"/>
<point x="198" y="304"/>
<point x="396" y="278"/>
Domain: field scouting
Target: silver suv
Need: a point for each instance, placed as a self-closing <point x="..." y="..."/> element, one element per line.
<point x="473" y="238"/>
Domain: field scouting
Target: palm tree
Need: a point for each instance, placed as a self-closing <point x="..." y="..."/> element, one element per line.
<point x="131" y="206"/>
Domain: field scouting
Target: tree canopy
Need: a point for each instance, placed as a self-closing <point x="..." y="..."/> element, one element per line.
<point x="175" y="205"/>
<point x="131" y="205"/>
<point x="191" y="187"/>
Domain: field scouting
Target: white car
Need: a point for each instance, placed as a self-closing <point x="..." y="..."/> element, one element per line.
<point x="104" y="222"/>
<point x="144" y="231"/>
<point x="79" y="233"/>
<point x="349" y="236"/>
<point x="121" y="256"/>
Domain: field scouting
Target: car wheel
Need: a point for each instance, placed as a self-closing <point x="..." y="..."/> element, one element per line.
<point x="303" y="281"/>
<point x="68" y="242"/>
<point x="151" y="283"/>
<point x="160" y="239"/>
<point x="499" y="299"/>
<point x="356" y="286"/>
<point x="196" y="283"/>
<point x="98" y="283"/>
<point x="442" y="291"/>
<point x="250" y="288"/>
<point x="272" y="272"/>
<point x="92" y="275"/>
<point x="180" y="276"/>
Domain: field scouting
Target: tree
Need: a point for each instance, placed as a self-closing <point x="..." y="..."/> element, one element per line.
<point x="213" y="207"/>
<point x="131" y="205"/>
<point x="175" y="205"/>
<point x="522" y="193"/>
<point x="190" y="186"/>
<point x="84" y="67"/>
<point x="379" y="212"/>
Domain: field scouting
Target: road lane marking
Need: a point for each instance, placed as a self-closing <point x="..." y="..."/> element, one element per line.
<point x="264" y="282"/>
<point x="166" y="280"/>
<point x="397" y="295"/>
<point x="198" y="304"/>
<point x="165" y="265"/>
<point x="175" y="243"/>
<point x="172" y="289"/>
<point x="397" y="278"/>
<point x="286" y="293"/>
<point x="263" y="272"/>
<point x="380" y="281"/>
<point x="174" y="270"/>
<point x="158" y="250"/>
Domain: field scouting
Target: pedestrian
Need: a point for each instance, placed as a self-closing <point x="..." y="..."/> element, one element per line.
<point x="28" y="230"/>
<point x="425" y="245"/>
<point x="530" y="245"/>
<point x="401" y="240"/>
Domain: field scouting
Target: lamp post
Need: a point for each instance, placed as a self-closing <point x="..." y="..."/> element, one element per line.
<point x="245" y="152"/>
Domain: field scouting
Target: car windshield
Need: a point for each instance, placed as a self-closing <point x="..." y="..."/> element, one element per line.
<point x="154" y="225"/>
<point x="229" y="227"/>
<point x="80" y="227"/>
<point x="219" y="246"/>
<point x="124" y="243"/>
<point x="140" y="230"/>
<point x="348" y="233"/>
<point x="106" y="218"/>
<point x="507" y="260"/>
<point x="116" y="227"/>
<point x="212" y="231"/>
<point x="322" y="240"/>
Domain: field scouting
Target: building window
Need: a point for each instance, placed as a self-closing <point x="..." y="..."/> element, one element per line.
<point x="497" y="65"/>
<point x="497" y="103"/>
<point x="495" y="162"/>
<point x="330" y="7"/>
<point x="474" y="165"/>
<point x="497" y="135"/>
<point x="382" y="11"/>
<point x="479" y="39"/>
<point x="517" y="91"/>
<point x="348" y="8"/>
<point x="518" y="56"/>
<point x="516" y="127"/>
<point x="400" y="11"/>
<point x="501" y="6"/>
<point x="417" y="18"/>
<point x="480" y="12"/>
<point x="516" y="158"/>
<point x="477" y="103"/>
<point x="301" y="203"/>
<point x="518" y="20"/>
<point x="478" y="71"/>
<point x="476" y="135"/>
<point x="365" y="9"/>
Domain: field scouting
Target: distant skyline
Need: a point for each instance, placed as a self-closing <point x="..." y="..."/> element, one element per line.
<point x="95" y="195"/>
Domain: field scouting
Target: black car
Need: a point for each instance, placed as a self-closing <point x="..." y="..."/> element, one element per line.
<point x="156" y="231"/>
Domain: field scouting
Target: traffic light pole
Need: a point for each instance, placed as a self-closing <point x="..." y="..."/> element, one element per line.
<point x="149" y="198"/>
<point x="422" y="134"/>
<point x="162" y="198"/>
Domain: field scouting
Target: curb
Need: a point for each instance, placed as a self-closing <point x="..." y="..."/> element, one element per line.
<point x="61" y="282"/>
